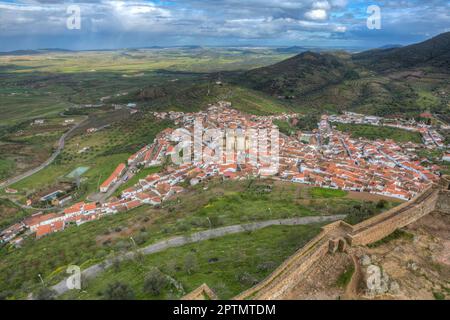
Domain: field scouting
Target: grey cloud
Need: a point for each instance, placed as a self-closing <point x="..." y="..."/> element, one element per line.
<point x="217" y="20"/>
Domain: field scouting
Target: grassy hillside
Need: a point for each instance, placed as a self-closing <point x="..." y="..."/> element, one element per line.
<point x="10" y="213"/>
<point x="229" y="265"/>
<point x="300" y="75"/>
<point x="414" y="79"/>
<point x="221" y="204"/>
<point x="433" y="53"/>
<point x="188" y="97"/>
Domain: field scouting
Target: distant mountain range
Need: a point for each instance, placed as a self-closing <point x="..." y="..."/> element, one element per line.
<point x="311" y="71"/>
<point x="32" y="52"/>
<point x="382" y="81"/>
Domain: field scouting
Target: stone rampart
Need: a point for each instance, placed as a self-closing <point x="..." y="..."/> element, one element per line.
<point x="383" y="225"/>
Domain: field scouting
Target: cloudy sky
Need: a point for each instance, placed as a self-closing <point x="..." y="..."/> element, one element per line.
<point x="105" y="24"/>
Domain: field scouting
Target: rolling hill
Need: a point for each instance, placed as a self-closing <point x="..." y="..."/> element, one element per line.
<point x="434" y="53"/>
<point x="397" y="80"/>
<point x="303" y="74"/>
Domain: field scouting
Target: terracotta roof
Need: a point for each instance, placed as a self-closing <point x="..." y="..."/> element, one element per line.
<point x="34" y="220"/>
<point x="133" y="204"/>
<point x="114" y="175"/>
<point x="90" y="206"/>
<point x="49" y="228"/>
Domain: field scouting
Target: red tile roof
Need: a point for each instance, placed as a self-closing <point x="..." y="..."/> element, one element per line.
<point x="114" y="175"/>
<point x="49" y="228"/>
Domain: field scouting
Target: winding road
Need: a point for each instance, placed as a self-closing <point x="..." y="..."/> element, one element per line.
<point x="96" y="269"/>
<point x="45" y="164"/>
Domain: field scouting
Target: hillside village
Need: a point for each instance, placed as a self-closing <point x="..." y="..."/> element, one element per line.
<point x="324" y="157"/>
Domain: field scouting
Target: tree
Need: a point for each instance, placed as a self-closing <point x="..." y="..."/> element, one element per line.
<point x="382" y="204"/>
<point x="190" y="263"/>
<point x="45" y="294"/>
<point x="154" y="282"/>
<point x="118" y="291"/>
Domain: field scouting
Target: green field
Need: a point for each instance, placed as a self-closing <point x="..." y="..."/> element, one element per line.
<point x="10" y="213"/>
<point x="229" y="265"/>
<point x="44" y="85"/>
<point x="284" y="127"/>
<point x="6" y="166"/>
<point x="376" y="132"/>
<point x="26" y="145"/>
<point x="327" y="193"/>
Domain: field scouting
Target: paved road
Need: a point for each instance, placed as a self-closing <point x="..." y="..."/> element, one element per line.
<point x="29" y="173"/>
<point x="96" y="269"/>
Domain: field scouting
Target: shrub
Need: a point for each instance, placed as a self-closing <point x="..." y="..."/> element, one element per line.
<point x="439" y="296"/>
<point x="190" y="263"/>
<point x="382" y="204"/>
<point x="45" y="294"/>
<point x="118" y="291"/>
<point x="344" y="279"/>
<point x="216" y="221"/>
<point x="155" y="282"/>
<point x="266" y="266"/>
<point x="246" y="279"/>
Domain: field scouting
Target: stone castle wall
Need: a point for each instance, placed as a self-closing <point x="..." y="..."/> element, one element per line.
<point x="375" y="229"/>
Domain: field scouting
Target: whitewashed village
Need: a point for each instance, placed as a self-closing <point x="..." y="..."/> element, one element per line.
<point x="324" y="157"/>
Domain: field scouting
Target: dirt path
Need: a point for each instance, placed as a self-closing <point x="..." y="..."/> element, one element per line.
<point x="96" y="269"/>
<point x="351" y="291"/>
<point x="61" y="144"/>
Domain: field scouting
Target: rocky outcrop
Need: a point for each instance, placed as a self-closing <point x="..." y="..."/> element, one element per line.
<point x="376" y="280"/>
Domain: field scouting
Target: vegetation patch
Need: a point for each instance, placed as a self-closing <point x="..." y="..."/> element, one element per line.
<point x="10" y="213"/>
<point x="225" y="264"/>
<point x="327" y="193"/>
<point x="378" y="132"/>
<point x="6" y="166"/>
<point x="223" y="203"/>
<point x="344" y="278"/>
<point x="438" y="295"/>
<point x="397" y="234"/>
